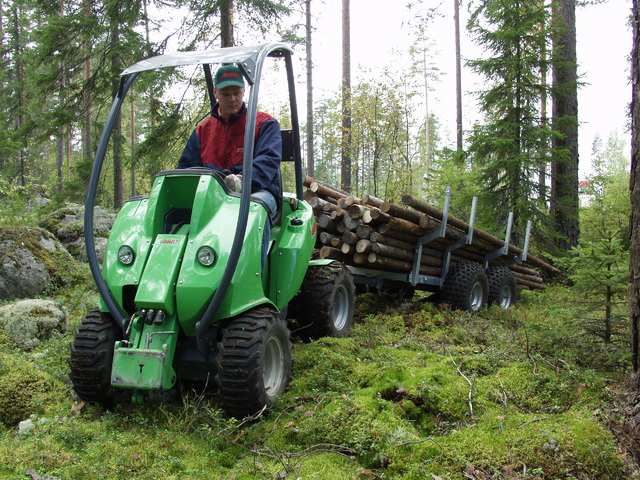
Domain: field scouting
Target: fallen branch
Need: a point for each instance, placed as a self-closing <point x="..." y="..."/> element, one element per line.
<point x="470" y="396"/>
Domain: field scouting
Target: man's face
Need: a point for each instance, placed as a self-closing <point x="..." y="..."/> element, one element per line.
<point x="229" y="100"/>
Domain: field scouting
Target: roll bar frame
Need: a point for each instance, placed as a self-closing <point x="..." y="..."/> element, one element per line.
<point x="251" y="61"/>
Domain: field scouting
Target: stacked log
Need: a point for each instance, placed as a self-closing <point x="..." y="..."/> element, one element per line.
<point x="372" y="233"/>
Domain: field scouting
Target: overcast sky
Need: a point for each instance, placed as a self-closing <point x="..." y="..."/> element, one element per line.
<point x="380" y="38"/>
<point x="379" y="35"/>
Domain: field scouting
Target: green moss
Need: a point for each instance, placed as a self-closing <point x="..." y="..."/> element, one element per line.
<point x="324" y="365"/>
<point x="379" y="329"/>
<point x="368" y="427"/>
<point x="25" y="390"/>
<point x="570" y="445"/>
<point x="389" y="402"/>
<point x="5" y="342"/>
<point x="531" y="388"/>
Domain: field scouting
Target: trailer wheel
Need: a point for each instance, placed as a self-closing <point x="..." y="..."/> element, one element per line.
<point x="465" y="287"/>
<point x="91" y="357"/>
<point x="502" y="287"/>
<point x="253" y="361"/>
<point x="325" y="304"/>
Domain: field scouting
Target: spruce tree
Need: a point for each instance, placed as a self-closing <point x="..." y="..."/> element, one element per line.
<point x="510" y="144"/>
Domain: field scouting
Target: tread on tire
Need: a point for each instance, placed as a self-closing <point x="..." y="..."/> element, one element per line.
<point x="91" y="357"/>
<point x="458" y="288"/>
<point x="241" y="359"/>
<point x="326" y="302"/>
<point x="500" y="278"/>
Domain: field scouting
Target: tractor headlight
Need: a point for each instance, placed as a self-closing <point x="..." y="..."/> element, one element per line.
<point x="206" y="256"/>
<point x="126" y="255"/>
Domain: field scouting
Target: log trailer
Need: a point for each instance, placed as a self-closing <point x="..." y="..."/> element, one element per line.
<point x="185" y="295"/>
<point x="397" y="248"/>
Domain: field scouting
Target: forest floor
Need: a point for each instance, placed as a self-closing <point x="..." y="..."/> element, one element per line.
<point x="417" y="392"/>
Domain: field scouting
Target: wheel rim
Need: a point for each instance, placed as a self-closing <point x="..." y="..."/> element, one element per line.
<point x="476" y="297"/>
<point x="505" y="297"/>
<point x="340" y="309"/>
<point x="273" y="372"/>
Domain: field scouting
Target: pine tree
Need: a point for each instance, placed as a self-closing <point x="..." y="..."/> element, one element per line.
<point x="508" y="147"/>
<point x="634" y="187"/>
<point x="309" y="66"/>
<point x="456" y="20"/>
<point x="598" y="266"/>
<point x="345" y="176"/>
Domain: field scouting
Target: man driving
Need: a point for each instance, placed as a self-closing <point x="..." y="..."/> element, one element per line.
<point x="218" y="141"/>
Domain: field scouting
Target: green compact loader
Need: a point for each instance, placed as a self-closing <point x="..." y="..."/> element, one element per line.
<point x="185" y="295"/>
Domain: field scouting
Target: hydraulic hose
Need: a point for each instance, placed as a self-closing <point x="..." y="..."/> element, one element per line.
<point x="125" y="84"/>
<point x="243" y="215"/>
<point x="247" y="166"/>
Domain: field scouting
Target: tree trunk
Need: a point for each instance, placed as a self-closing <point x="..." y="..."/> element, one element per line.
<point x="542" y="169"/>
<point x="376" y="144"/>
<point x="456" y="19"/>
<point x="226" y="23"/>
<point x="68" y="147"/>
<point x="345" y="177"/>
<point x="60" y="134"/>
<point x="407" y="134"/>
<point x="17" y="30"/>
<point x="87" y="154"/>
<point x="427" y="134"/>
<point x="2" y="59"/>
<point x="116" y="136"/>
<point x="59" y="159"/>
<point x="310" y="156"/>
<point x="634" y="185"/>
<point x="607" y="315"/>
<point x="565" y="122"/>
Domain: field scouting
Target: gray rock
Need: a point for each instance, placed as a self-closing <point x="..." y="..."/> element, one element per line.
<point x="67" y="224"/>
<point x="33" y="475"/>
<point x="37" y="202"/>
<point x="100" y="245"/>
<point x="21" y="273"/>
<point x="25" y="427"/>
<point x="551" y="445"/>
<point x="28" y="322"/>
<point x="25" y="261"/>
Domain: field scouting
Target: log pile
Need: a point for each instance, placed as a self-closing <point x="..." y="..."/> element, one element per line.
<point x="372" y="233"/>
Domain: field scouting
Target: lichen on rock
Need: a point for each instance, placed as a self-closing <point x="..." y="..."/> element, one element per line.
<point x="32" y="261"/>
<point x="29" y="322"/>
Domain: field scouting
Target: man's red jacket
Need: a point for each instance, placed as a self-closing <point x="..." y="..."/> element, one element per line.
<point x="219" y="144"/>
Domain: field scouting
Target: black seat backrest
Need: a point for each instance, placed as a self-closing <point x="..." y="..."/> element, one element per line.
<point x="287" y="156"/>
<point x="287" y="146"/>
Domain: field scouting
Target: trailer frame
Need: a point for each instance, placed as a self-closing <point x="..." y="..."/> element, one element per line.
<point x="374" y="278"/>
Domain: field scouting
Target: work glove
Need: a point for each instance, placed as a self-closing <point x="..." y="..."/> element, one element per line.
<point x="233" y="182"/>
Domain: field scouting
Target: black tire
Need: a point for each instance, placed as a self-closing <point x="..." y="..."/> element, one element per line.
<point x="91" y="357"/>
<point x="253" y="361"/>
<point x="326" y="302"/>
<point x="465" y="287"/>
<point x="503" y="290"/>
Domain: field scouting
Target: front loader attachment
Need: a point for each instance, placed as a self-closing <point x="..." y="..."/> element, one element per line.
<point x="145" y="360"/>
